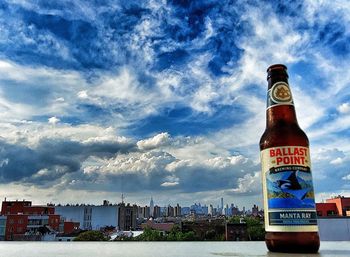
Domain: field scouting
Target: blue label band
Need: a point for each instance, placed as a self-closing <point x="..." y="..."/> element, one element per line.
<point x="294" y="218"/>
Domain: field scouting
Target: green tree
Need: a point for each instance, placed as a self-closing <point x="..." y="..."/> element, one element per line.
<point x="150" y="235"/>
<point x="91" y="236"/>
<point x="256" y="230"/>
<point x="234" y="219"/>
<point x="176" y="234"/>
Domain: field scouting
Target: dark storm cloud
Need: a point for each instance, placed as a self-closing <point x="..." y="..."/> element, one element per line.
<point x="51" y="159"/>
<point x="160" y="171"/>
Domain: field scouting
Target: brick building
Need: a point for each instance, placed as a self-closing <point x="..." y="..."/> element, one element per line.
<point x="24" y="219"/>
<point x="236" y="232"/>
<point x="337" y="206"/>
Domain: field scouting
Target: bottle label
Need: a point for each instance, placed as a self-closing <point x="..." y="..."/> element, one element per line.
<point x="289" y="201"/>
<point x="279" y="94"/>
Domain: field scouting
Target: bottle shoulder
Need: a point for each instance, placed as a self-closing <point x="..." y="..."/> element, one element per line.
<point x="283" y="135"/>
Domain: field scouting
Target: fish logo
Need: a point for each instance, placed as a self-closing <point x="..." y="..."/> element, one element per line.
<point x="290" y="183"/>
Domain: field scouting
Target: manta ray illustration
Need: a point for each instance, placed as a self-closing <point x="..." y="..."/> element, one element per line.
<point x="290" y="184"/>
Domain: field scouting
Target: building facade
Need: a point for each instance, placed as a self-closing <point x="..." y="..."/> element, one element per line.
<point x="90" y="217"/>
<point x="20" y="220"/>
<point x="337" y="206"/>
<point x="127" y="216"/>
<point x="342" y="203"/>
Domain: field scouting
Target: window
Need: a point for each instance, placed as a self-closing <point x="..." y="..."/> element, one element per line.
<point x="319" y="213"/>
<point x="20" y="221"/>
<point x="331" y="213"/>
<point x="19" y="230"/>
<point x="11" y="221"/>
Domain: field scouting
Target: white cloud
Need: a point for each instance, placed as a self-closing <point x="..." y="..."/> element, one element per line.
<point x="154" y="142"/>
<point x="54" y="120"/>
<point x="169" y="184"/>
<point x="83" y="94"/>
<point x="344" y="108"/>
<point x="58" y="100"/>
<point x="249" y="184"/>
<point x="337" y="161"/>
<point x="347" y="177"/>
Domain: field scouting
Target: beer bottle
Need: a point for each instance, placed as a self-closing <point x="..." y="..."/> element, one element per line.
<point x="289" y="201"/>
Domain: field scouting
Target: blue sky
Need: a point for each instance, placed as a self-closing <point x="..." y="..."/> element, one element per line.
<point x="165" y="98"/>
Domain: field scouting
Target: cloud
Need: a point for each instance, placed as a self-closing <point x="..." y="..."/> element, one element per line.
<point x="337" y="161"/>
<point x="51" y="159"/>
<point x="158" y="171"/>
<point x="249" y="185"/>
<point x="166" y="95"/>
<point x="54" y="120"/>
<point x="347" y="177"/>
<point x="154" y="142"/>
<point x="344" y="108"/>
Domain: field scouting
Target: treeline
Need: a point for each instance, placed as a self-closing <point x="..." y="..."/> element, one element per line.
<point x="254" y="229"/>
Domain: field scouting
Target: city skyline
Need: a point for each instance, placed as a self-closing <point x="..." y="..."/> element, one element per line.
<point x="165" y="98"/>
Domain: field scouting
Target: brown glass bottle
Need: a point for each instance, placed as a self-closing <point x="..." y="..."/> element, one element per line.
<point x="290" y="216"/>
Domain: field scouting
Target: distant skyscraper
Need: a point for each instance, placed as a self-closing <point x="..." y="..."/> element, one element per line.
<point x="255" y="210"/>
<point x="177" y="210"/>
<point x="156" y="212"/>
<point x="169" y="211"/>
<point x="226" y="210"/>
<point x="151" y="207"/>
<point x="222" y="203"/>
<point x="210" y="210"/>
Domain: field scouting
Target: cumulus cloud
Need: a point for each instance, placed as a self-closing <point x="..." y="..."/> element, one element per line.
<point x="249" y="184"/>
<point x="54" y="120"/>
<point x="344" y="108"/>
<point x="159" y="171"/>
<point x="347" y="177"/>
<point x="110" y="77"/>
<point x="51" y="159"/>
<point x="337" y="161"/>
<point x="154" y="142"/>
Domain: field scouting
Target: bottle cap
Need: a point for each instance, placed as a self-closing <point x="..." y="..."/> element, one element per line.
<point x="277" y="69"/>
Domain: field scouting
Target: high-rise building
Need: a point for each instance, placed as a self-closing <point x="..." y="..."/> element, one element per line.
<point x="156" y="212"/>
<point x="235" y="210"/>
<point x="222" y="203"/>
<point x="177" y="210"/>
<point x="205" y="209"/>
<point x="127" y="216"/>
<point x="169" y="211"/>
<point x="151" y="207"/>
<point x="145" y="212"/>
<point x="255" y="210"/>
<point x="226" y="212"/>
<point x="211" y="210"/>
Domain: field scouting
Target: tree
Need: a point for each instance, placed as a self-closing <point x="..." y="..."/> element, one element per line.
<point x="256" y="230"/>
<point x="175" y="234"/>
<point x="91" y="236"/>
<point x="150" y="235"/>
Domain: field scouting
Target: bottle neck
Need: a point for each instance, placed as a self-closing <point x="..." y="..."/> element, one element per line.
<point x="280" y="107"/>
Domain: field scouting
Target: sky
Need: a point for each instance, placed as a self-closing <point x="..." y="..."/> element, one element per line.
<point x="165" y="99"/>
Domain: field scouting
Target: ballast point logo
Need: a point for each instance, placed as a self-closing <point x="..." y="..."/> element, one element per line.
<point x="280" y="93"/>
<point x="289" y="156"/>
